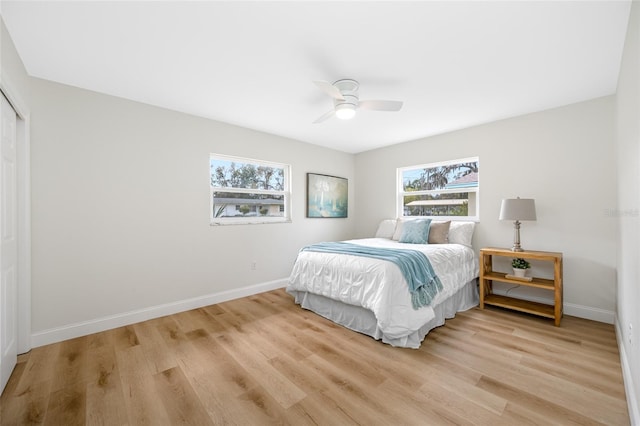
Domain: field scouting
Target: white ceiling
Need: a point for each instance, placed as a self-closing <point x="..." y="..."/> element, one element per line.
<point x="454" y="64"/>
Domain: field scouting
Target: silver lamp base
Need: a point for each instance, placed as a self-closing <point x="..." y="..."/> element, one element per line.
<point x="516" y="237"/>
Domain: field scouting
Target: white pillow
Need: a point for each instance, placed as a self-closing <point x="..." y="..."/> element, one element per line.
<point x="461" y="232"/>
<point x="398" y="232"/>
<point x="386" y="228"/>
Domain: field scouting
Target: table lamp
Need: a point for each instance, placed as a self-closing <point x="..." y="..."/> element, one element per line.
<point x="517" y="209"/>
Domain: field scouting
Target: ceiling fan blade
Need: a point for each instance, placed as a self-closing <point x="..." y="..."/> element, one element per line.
<point x="325" y="116"/>
<point x="329" y="89"/>
<point x="380" y="105"/>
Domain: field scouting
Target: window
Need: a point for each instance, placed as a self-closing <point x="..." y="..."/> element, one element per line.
<point x="248" y="191"/>
<point x="447" y="189"/>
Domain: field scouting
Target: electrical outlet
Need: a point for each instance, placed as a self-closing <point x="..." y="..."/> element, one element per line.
<point x="253" y="266"/>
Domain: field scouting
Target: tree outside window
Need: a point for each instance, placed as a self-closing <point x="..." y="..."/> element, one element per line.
<point x="248" y="191"/>
<point x="444" y="190"/>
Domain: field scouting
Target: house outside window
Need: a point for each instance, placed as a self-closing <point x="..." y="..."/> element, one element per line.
<point x="247" y="191"/>
<point x="445" y="190"/>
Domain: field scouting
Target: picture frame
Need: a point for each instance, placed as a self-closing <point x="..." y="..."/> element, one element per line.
<point x="327" y="196"/>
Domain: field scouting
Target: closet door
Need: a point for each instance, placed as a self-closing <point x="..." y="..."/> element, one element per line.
<point x="8" y="244"/>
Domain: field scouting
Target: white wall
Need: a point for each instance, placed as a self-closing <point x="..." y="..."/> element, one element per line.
<point x="628" y="162"/>
<point x="10" y="63"/>
<point x="563" y="158"/>
<point x="120" y="207"/>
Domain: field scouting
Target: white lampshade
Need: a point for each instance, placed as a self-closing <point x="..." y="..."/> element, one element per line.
<point x="518" y="209"/>
<point x="345" y="111"/>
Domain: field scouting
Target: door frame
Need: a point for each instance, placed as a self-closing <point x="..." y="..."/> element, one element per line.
<point x="23" y="144"/>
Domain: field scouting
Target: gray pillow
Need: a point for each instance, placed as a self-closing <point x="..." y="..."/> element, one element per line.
<point x="439" y="232"/>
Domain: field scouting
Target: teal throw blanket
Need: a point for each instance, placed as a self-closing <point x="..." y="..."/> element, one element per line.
<point x="423" y="282"/>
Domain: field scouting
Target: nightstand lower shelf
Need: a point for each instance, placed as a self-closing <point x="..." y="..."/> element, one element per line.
<point x="521" y="305"/>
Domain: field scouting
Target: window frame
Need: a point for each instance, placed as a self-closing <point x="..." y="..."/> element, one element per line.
<point x="401" y="193"/>
<point x="251" y="220"/>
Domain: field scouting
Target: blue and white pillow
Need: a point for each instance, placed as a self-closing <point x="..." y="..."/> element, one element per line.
<point x="415" y="231"/>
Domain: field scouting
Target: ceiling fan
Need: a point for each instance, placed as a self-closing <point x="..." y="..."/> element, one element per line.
<point x="346" y="101"/>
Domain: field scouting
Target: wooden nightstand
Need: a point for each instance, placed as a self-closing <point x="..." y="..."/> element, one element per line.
<point x="488" y="275"/>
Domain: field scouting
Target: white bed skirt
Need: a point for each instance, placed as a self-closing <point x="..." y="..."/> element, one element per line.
<point x="363" y="320"/>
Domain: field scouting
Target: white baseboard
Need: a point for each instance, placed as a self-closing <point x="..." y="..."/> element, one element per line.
<point x="580" y="311"/>
<point x="587" y="312"/>
<point x="629" y="385"/>
<point x="97" y="325"/>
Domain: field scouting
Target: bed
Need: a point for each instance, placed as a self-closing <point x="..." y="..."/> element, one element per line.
<point x="372" y="296"/>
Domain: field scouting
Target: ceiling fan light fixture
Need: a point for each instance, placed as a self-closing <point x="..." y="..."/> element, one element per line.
<point x="346" y="100"/>
<point x="345" y="111"/>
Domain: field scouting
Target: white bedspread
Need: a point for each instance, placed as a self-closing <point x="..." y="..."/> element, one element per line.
<point x="378" y="285"/>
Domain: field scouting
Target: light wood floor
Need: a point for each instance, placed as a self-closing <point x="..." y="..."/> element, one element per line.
<point x="263" y="360"/>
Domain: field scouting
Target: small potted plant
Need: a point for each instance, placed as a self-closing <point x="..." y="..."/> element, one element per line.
<point x="520" y="267"/>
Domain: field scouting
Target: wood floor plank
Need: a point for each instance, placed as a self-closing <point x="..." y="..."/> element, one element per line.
<point x="220" y="383"/>
<point x="250" y="333"/>
<point x="142" y="401"/>
<point x="264" y="360"/>
<point x="463" y="388"/>
<point x="104" y="398"/>
<point x="67" y="406"/>
<point x="179" y="399"/>
<point x="71" y="366"/>
<point x="282" y="389"/>
<point x="155" y="349"/>
<point x="346" y="393"/>
<point x="212" y="358"/>
<point x="40" y="370"/>
<point x="270" y="409"/>
<point x="196" y="319"/>
<point x="318" y="341"/>
<point x="548" y="359"/>
<point x="26" y="408"/>
<point x="26" y="397"/>
<point x="228" y="393"/>
<point x="124" y="337"/>
<point x="318" y="409"/>
<point x="14" y="380"/>
<point x="440" y="394"/>
<point x="514" y="374"/>
<point x="591" y="379"/>
<point x="546" y="410"/>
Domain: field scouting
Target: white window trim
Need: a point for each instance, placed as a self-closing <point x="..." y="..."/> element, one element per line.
<point x="400" y="193"/>
<point x="251" y="220"/>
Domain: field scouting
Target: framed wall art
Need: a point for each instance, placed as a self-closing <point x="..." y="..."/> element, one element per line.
<point x="327" y="196"/>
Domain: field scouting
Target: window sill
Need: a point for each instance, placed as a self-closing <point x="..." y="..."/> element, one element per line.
<point x="257" y="221"/>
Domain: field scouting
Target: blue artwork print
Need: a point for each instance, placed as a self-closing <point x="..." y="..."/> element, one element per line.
<point x="327" y="196"/>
